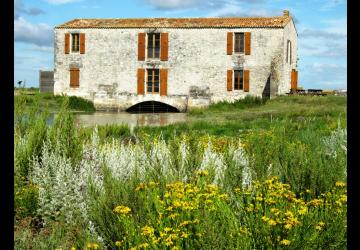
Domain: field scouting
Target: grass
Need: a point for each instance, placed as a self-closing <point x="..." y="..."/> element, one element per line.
<point x="246" y="175"/>
<point x="52" y="102"/>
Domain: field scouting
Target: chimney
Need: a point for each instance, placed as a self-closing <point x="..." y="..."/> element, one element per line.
<point x="286" y="13"/>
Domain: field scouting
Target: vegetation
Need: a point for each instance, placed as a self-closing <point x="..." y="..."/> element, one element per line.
<point x="33" y="98"/>
<point x="249" y="175"/>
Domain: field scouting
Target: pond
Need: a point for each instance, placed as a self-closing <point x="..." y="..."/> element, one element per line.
<point x="132" y="120"/>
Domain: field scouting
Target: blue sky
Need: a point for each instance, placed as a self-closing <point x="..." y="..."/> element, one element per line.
<point x="321" y="26"/>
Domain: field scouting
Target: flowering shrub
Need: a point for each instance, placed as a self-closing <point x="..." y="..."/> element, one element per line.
<point x="198" y="215"/>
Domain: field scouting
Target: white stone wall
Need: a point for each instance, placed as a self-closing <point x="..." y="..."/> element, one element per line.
<point x="197" y="59"/>
<point x="290" y="33"/>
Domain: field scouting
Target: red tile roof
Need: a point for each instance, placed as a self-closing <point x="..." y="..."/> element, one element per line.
<point x="216" y="22"/>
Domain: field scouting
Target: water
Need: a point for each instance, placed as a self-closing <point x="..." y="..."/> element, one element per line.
<point x="132" y="120"/>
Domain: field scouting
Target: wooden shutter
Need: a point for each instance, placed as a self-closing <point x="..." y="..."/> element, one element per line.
<point x="247" y="43"/>
<point x="229" y="47"/>
<point x="82" y="43"/>
<point x="164" y="40"/>
<point x="163" y="81"/>
<point x="229" y="79"/>
<point x="141" y="46"/>
<point x="74" y="77"/>
<point x="246" y="80"/>
<point x="292" y="81"/>
<point x="67" y="43"/>
<point x="140" y="81"/>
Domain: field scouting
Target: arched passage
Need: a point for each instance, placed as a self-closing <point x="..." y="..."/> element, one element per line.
<point x="152" y="107"/>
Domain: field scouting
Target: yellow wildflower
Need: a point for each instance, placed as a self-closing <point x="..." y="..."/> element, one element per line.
<point x="285" y="242"/>
<point x="303" y="210"/>
<point x="144" y="245"/>
<point x="167" y="229"/>
<point x="288" y="226"/>
<point x="147" y="230"/>
<point x="185" y="223"/>
<point x="202" y="173"/>
<point x="118" y="243"/>
<point x="237" y="190"/>
<point x="272" y="222"/>
<point x="321" y="223"/>
<point x="319" y="228"/>
<point x="173" y="216"/>
<point x="122" y="210"/>
<point x="264" y="218"/>
<point x="73" y="248"/>
<point x="340" y="184"/>
<point x="141" y="186"/>
<point x="184" y="235"/>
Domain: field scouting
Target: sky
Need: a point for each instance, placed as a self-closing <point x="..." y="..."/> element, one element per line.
<point x="321" y="26"/>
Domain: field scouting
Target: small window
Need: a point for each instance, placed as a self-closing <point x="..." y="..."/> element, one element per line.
<point x="238" y="79"/>
<point x="239" y="42"/>
<point x="152" y="81"/>
<point x="288" y="52"/>
<point x="153" y="45"/>
<point x="75" y="42"/>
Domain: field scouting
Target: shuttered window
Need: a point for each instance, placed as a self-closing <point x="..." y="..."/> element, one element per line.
<point x="75" y="42"/>
<point x="238" y="79"/>
<point x="74" y="77"/>
<point x="153" y="45"/>
<point x="239" y="42"/>
<point x="152" y="81"/>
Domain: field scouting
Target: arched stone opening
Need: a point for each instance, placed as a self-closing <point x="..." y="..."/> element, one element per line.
<point x="152" y="107"/>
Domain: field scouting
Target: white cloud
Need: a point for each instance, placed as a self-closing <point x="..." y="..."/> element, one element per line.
<point x="57" y="2"/>
<point x="20" y="8"/>
<point x="40" y="34"/>
<point x="197" y="4"/>
<point x="324" y="75"/>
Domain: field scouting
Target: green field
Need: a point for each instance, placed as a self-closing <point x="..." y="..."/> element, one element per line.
<point x="246" y="175"/>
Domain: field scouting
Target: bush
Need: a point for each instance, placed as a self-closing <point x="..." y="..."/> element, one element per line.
<point x="78" y="103"/>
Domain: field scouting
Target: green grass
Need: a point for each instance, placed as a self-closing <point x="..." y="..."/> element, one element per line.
<point x="52" y="102"/>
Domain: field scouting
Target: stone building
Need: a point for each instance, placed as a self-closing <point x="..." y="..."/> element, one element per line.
<point x="181" y="62"/>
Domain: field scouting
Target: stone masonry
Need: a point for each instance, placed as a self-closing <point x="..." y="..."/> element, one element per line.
<point x="197" y="64"/>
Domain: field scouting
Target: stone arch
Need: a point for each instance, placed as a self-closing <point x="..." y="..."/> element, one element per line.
<point x="152" y="107"/>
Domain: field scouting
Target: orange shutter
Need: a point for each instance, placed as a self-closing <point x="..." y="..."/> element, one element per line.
<point x="247" y="43"/>
<point x="296" y="79"/>
<point x="292" y="81"/>
<point x="82" y="43"/>
<point x="141" y="46"/>
<point x="164" y="47"/>
<point x="74" y="77"/>
<point x="163" y="81"/>
<point x="67" y="43"/>
<point x="140" y="81"/>
<point x="229" y="47"/>
<point x="229" y="79"/>
<point x="246" y="80"/>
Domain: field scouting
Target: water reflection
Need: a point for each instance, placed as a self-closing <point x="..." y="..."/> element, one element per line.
<point x="132" y="120"/>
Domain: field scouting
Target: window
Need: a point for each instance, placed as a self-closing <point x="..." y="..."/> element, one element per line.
<point x="288" y="52"/>
<point x="152" y="81"/>
<point x="239" y="42"/>
<point x="153" y="45"/>
<point x="238" y="80"/>
<point x="75" y="42"/>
